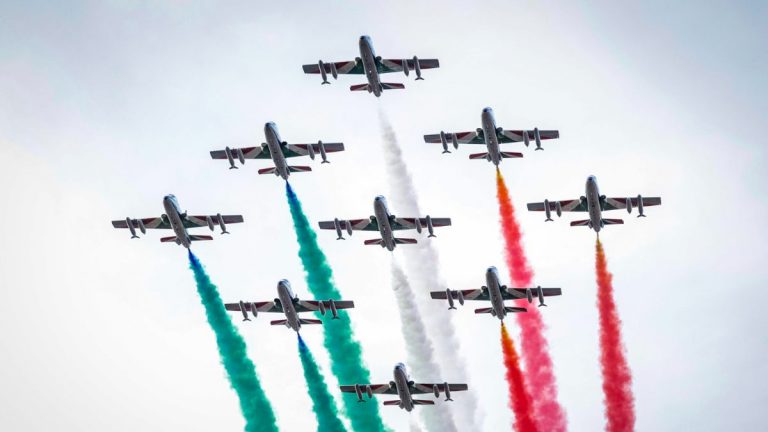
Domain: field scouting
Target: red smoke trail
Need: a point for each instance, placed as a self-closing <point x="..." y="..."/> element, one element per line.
<point x="519" y="400"/>
<point x="617" y="378"/>
<point x="540" y="376"/>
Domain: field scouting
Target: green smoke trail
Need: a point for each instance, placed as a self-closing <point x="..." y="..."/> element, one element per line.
<point x="322" y="402"/>
<point x="254" y="404"/>
<point x="344" y="350"/>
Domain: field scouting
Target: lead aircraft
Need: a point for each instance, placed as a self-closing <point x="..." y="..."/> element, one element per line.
<point x="289" y="304"/>
<point x="404" y="388"/>
<point x="178" y="221"/>
<point x="496" y="293"/>
<point x="386" y="224"/>
<point x="371" y="65"/>
<point x="594" y="204"/>
<point x="278" y="151"/>
<point x="491" y="135"/>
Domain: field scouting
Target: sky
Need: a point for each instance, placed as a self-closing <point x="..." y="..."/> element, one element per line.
<point x="105" y="107"/>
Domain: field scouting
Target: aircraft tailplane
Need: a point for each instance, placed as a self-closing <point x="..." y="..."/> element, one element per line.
<point x="392" y="402"/>
<point x="423" y="402"/>
<point x="359" y="87"/>
<point x="374" y="242"/>
<point x="267" y="170"/>
<point x="613" y="222"/>
<point x="479" y="156"/>
<point x="507" y="155"/>
<point x="405" y="241"/>
<point x="515" y="309"/>
<point x="299" y="168"/>
<point x="309" y="321"/>
<point x="278" y="322"/>
<point x="580" y="223"/>
<point x="392" y="86"/>
<point x="483" y="310"/>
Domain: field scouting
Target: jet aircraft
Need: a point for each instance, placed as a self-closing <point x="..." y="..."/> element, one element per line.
<point x="386" y="224"/>
<point x="496" y="294"/>
<point x="278" y="151"/>
<point x="290" y="305"/>
<point x="404" y="388"/>
<point x="371" y="65"/>
<point x="594" y="204"/>
<point x="491" y="135"/>
<point x="178" y="221"/>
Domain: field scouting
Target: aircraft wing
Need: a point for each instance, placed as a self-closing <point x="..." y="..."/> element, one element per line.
<point x="202" y="220"/>
<point x="375" y="388"/>
<point x="472" y="137"/>
<point x="508" y="136"/>
<point x="149" y="223"/>
<point x="519" y="293"/>
<point x="471" y="294"/>
<point x="421" y="388"/>
<point x="292" y="150"/>
<point x="259" y="152"/>
<point x="410" y="223"/>
<point x="267" y="306"/>
<point x="398" y="65"/>
<point x="313" y="305"/>
<point x="343" y="67"/>
<point x="565" y="205"/>
<point x="621" y="203"/>
<point x="356" y="224"/>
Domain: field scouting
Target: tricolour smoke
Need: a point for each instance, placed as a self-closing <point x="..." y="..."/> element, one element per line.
<point x="421" y="357"/>
<point x="323" y="404"/>
<point x="338" y="337"/>
<point x="423" y="266"/>
<point x="241" y="372"/>
<point x="617" y="378"/>
<point x="519" y="399"/>
<point x="540" y="376"/>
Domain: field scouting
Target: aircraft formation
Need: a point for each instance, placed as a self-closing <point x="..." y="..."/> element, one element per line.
<point x="274" y="149"/>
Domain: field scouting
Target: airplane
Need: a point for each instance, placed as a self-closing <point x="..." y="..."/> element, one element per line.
<point x="594" y="204"/>
<point x="404" y="388"/>
<point x="289" y="304"/>
<point x="386" y="224"/>
<point x="496" y="294"/>
<point x="492" y="136"/>
<point x="278" y="151"/>
<point x="178" y="221"/>
<point x="371" y="65"/>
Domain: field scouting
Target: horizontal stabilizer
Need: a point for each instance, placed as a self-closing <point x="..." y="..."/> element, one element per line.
<point x="405" y="241"/>
<point x="478" y="156"/>
<point x="507" y="155"/>
<point x="299" y="169"/>
<point x="580" y="223"/>
<point x="267" y="170"/>
<point x="392" y="86"/>
<point x="483" y="310"/>
<point x="310" y="321"/>
<point x="515" y="309"/>
<point x="374" y="242"/>
<point x="200" y="237"/>
<point x="358" y="87"/>
<point x="423" y="402"/>
<point x="613" y="221"/>
<point x="169" y="239"/>
<point x="392" y="402"/>
<point x="278" y="322"/>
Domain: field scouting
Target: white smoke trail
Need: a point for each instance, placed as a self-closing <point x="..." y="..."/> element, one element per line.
<point x="415" y="426"/>
<point x="423" y="264"/>
<point x="421" y="357"/>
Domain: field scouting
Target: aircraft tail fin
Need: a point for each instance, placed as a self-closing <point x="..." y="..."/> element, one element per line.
<point x="613" y="221"/>
<point x="423" y="402"/>
<point x="507" y="155"/>
<point x="392" y="86"/>
<point x="278" y="322"/>
<point x="309" y="321"/>
<point x="299" y="168"/>
<point x="515" y="309"/>
<point x="483" y="310"/>
<point x="405" y="241"/>
<point x="359" y="87"/>
<point x="580" y="223"/>
<point x="268" y="170"/>
<point x="392" y="402"/>
<point x="374" y="242"/>
<point x="478" y="156"/>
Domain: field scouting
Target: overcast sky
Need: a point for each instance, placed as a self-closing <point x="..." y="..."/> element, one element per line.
<point x="107" y="106"/>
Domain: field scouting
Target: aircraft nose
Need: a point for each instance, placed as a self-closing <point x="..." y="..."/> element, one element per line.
<point x="487" y="109"/>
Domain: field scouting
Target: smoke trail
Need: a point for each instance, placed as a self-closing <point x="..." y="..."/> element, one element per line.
<point x="338" y="338"/>
<point x="423" y="264"/>
<point x="540" y="375"/>
<point x="421" y="358"/>
<point x="519" y="399"/>
<point x="254" y="404"/>
<point x="617" y="378"/>
<point x="322" y="402"/>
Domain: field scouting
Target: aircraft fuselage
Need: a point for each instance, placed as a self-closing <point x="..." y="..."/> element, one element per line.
<point x="276" y="150"/>
<point x="494" y="292"/>
<point x="381" y="212"/>
<point x="593" y="204"/>
<point x="491" y="138"/>
<point x="173" y="212"/>
<point x="285" y="295"/>
<point x="368" y="58"/>
<point x="401" y="383"/>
